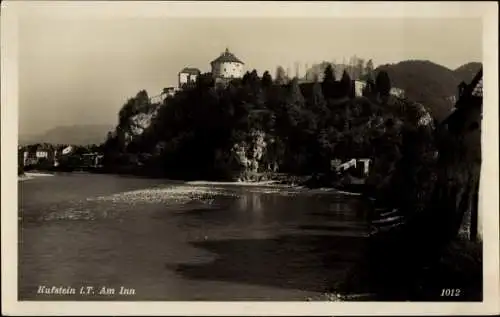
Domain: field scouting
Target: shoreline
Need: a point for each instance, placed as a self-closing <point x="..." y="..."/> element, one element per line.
<point x="284" y="181"/>
<point x="272" y="183"/>
<point x="31" y="175"/>
<point x="38" y="173"/>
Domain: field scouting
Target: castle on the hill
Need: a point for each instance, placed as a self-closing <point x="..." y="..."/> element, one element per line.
<point x="224" y="68"/>
<point x="227" y="66"/>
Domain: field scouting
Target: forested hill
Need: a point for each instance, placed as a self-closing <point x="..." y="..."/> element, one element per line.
<point x="429" y="83"/>
<point x="467" y="71"/>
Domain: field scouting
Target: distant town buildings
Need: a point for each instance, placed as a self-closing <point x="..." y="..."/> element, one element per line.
<point x="34" y="154"/>
<point x="47" y="156"/>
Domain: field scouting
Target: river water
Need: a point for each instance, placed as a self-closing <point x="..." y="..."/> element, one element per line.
<point x="164" y="240"/>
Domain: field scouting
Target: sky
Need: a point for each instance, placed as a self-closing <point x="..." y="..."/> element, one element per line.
<point x="81" y="71"/>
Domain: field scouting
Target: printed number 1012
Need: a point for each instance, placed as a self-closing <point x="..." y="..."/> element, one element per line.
<point x="450" y="292"/>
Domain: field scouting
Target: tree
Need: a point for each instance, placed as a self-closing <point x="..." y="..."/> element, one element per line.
<point x="383" y="83"/>
<point x="288" y="115"/>
<point x="254" y="75"/>
<point x="266" y="80"/>
<point x="345" y="84"/>
<point x="295" y="96"/>
<point x="329" y="74"/>
<point x="254" y="79"/>
<point x="141" y="99"/>
<point x="328" y="82"/>
<point x="280" y="76"/>
<point x="370" y="88"/>
<point x="318" y="100"/>
<point x="360" y="69"/>
<point x="109" y="137"/>
<point x="369" y="67"/>
<point x="246" y="78"/>
<point x="317" y="104"/>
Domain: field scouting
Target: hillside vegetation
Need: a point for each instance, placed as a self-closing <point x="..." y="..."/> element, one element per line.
<point x="429" y="83"/>
<point x="258" y="125"/>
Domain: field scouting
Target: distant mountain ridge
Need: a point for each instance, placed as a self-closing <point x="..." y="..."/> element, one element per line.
<point x="425" y="82"/>
<point x="76" y="134"/>
<point x="467" y="71"/>
<point x="429" y="83"/>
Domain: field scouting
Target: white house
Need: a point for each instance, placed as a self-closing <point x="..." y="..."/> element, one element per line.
<point x="338" y="166"/>
<point x="359" y="86"/>
<point x="227" y="66"/>
<point x="188" y="75"/>
<point x="42" y="154"/>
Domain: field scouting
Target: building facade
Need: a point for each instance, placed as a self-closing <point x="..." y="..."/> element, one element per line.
<point x="227" y="66"/>
<point x="165" y="93"/>
<point x="188" y="76"/>
<point x="360" y="85"/>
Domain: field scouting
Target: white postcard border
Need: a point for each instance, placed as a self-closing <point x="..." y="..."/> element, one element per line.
<point x="488" y="11"/>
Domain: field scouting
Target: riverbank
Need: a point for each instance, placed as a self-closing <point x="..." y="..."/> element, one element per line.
<point x="317" y="183"/>
<point x="31" y="175"/>
<point x="249" y="179"/>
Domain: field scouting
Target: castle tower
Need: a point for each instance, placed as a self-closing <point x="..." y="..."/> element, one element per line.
<point x="227" y="66"/>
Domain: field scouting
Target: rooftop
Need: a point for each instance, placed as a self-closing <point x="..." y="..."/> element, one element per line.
<point x="227" y="57"/>
<point x="190" y="71"/>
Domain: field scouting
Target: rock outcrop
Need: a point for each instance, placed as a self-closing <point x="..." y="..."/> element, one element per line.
<point x="249" y="156"/>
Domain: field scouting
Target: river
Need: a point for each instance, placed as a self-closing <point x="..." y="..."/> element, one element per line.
<point x="165" y="240"/>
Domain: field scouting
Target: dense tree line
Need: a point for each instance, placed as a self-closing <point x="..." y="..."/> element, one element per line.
<point x="258" y="123"/>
